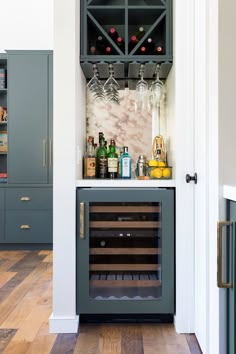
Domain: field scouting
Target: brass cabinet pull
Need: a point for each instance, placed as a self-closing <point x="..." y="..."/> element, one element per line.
<point x="50" y="152"/>
<point x="81" y="220"/>
<point x="23" y="199"/>
<point x="220" y="282"/>
<point x="44" y="152"/>
<point x="25" y="227"/>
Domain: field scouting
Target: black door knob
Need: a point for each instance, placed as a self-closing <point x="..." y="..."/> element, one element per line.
<point x="191" y="178"/>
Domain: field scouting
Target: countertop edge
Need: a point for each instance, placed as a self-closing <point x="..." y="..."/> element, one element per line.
<point x="126" y="183"/>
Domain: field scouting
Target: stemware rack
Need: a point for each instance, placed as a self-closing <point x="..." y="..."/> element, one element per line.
<point x="126" y="71"/>
<point x="98" y="16"/>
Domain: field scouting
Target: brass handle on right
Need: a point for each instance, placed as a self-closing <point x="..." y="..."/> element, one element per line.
<point x="220" y="282"/>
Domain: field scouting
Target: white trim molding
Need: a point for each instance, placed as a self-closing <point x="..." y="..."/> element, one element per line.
<point x="63" y="324"/>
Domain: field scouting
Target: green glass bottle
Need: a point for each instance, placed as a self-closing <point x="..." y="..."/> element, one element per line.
<point x="102" y="160"/>
<point x="112" y="160"/>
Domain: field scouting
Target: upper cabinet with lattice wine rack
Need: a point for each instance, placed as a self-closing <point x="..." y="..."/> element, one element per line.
<point x="126" y="31"/>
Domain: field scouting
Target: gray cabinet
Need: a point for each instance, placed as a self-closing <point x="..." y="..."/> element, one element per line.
<point x="125" y="251"/>
<point x="1" y="215"/>
<point x="30" y="117"/>
<point x="26" y="215"/>
<point x="28" y="226"/>
<point x="26" y="199"/>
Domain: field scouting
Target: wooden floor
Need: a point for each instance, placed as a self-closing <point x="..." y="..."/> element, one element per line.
<point x="26" y="304"/>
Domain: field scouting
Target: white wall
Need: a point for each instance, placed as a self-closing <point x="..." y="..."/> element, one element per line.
<point x="26" y="24"/>
<point x="227" y="89"/>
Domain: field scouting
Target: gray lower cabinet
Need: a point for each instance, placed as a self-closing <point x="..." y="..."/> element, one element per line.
<point x="28" y="226"/>
<point x="26" y="215"/>
<point x="125" y="251"/>
<point x="30" y="117"/>
<point x="2" y="215"/>
<point x="1" y="226"/>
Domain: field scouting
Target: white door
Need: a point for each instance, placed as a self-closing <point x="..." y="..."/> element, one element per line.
<point x="201" y="189"/>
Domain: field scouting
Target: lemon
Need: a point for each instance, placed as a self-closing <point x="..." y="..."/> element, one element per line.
<point x="161" y="164"/>
<point x="156" y="173"/>
<point x="166" y="172"/>
<point x="153" y="163"/>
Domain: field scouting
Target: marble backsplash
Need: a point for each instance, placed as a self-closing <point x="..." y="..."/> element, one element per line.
<point x="124" y="123"/>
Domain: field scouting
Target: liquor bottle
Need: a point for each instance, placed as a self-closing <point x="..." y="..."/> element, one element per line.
<point x="120" y="152"/>
<point x="150" y="46"/>
<point x="140" y="33"/>
<point x="100" y="136"/>
<point x="132" y="43"/>
<point x="101" y="160"/>
<point x="120" y="43"/>
<point x="90" y="160"/>
<point x="125" y="163"/>
<point x="113" y="33"/>
<point x="112" y="160"/>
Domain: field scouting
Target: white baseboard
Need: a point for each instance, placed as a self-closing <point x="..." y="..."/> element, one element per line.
<point x="63" y="324"/>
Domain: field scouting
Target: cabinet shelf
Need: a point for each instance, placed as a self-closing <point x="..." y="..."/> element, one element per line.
<point x="126" y="251"/>
<point x="124" y="283"/>
<point x="124" y="267"/>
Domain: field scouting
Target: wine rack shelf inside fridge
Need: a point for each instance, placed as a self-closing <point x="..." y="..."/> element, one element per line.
<point x="129" y="245"/>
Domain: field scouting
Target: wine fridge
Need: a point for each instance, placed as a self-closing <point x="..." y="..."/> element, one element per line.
<point x="125" y="251"/>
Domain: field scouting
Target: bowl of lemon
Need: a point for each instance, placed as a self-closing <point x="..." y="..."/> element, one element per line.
<point x="159" y="170"/>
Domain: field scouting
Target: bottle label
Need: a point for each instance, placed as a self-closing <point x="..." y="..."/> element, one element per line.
<point x="125" y="167"/>
<point x="90" y="167"/>
<point x="102" y="166"/>
<point x="112" y="164"/>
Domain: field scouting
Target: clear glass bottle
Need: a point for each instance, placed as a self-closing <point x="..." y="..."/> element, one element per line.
<point x="125" y="164"/>
<point x="90" y="160"/>
<point x="112" y="160"/>
<point x="102" y="160"/>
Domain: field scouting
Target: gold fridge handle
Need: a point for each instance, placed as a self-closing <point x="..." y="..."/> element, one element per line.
<point x="220" y="282"/>
<point x="81" y="220"/>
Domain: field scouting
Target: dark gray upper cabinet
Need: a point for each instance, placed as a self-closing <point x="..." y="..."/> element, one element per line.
<point x="126" y="16"/>
<point x="30" y="117"/>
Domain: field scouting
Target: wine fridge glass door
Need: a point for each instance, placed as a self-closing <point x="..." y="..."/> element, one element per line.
<point x="125" y="251"/>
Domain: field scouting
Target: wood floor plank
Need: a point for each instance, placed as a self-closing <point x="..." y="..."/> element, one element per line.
<point x="131" y="340"/>
<point x="5" y="277"/>
<point x="65" y="344"/>
<point x="8" y="260"/>
<point x="110" y="338"/>
<point x="30" y="300"/>
<point x="193" y="344"/>
<point x="43" y="341"/>
<point x="31" y="324"/>
<point x="88" y="340"/>
<point x="49" y="258"/>
<point x="5" y="337"/>
<point x="16" y="348"/>
<point x="9" y="303"/>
